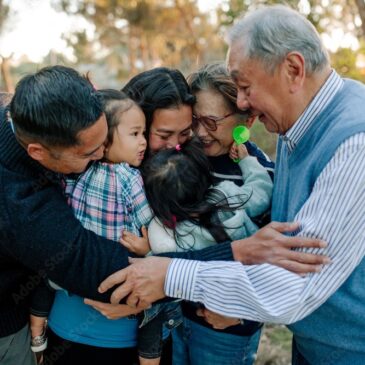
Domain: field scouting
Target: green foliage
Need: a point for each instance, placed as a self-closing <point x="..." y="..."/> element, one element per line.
<point x="264" y="139"/>
<point x="4" y="13"/>
<point x="344" y="62"/>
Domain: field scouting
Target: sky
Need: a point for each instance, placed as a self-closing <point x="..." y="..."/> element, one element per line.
<point x="36" y="28"/>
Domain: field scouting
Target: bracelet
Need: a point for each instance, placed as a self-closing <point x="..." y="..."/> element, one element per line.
<point x="39" y="343"/>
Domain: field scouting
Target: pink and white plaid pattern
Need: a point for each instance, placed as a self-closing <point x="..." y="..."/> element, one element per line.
<point x="109" y="198"/>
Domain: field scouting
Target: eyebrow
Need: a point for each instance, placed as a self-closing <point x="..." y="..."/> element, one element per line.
<point x="162" y="130"/>
<point x="91" y="152"/>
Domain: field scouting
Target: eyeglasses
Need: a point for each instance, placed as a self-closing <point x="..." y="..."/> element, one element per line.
<point x="209" y="122"/>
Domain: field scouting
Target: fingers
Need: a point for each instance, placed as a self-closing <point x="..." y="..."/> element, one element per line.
<point x="284" y="226"/>
<point x="242" y="151"/>
<point x="144" y="232"/>
<point x="308" y="258"/>
<point x="111" y="311"/>
<point x="93" y="303"/>
<point x="126" y="244"/>
<point x="200" y="312"/>
<point x="299" y="268"/>
<point x="233" y="152"/>
<point x="304" y="242"/>
<point x="128" y="237"/>
<point x="132" y="300"/>
<point x="134" y="260"/>
<point x="121" y="292"/>
<point x="114" y="279"/>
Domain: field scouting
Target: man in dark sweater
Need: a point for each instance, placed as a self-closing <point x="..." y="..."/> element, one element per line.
<point x="56" y="127"/>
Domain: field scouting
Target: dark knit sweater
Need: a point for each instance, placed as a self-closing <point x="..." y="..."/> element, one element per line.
<point x="40" y="237"/>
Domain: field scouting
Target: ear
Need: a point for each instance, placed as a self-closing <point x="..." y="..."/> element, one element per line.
<point x="295" y="70"/>
<point x="36" y="151"/>
<point x="250" y="121"/>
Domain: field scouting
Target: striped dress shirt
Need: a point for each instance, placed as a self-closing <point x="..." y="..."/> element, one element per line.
<point x="271" y="294"/>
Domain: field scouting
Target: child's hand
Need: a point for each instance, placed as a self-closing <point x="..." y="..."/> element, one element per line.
<point x="135" y="244"/>
<point x="37" y="325"/>
<point x="112" y="311"/>
<point x="238" y="152"/>
<point x="217" y="321"/>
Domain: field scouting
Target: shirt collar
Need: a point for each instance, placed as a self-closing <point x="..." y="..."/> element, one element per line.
<point x="324" y="96"/>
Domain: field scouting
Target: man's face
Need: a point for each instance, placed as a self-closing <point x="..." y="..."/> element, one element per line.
<point x="265" y="94"/>
<point x="67" y="160"/>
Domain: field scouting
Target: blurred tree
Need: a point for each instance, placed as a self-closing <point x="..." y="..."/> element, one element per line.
<point x="8" y="84"/>
<point x="345" y="62"/>
<point x="136" y="35"/>
<point x="4" y="12"/>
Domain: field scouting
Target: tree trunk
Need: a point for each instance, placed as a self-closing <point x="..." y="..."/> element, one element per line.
<point x="361" y="7"/>
<point x="5" y="73"/>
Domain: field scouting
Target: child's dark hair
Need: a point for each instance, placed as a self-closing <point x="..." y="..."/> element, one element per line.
<point x="115" y="103"/>
<point x="178" y="185"/>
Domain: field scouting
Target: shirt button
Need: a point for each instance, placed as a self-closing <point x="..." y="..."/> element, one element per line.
<point x="178" y="293"/>
<point x="171" y="322"/>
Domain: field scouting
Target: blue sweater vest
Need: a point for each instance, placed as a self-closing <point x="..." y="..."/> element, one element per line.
<point x="335" y="332"/>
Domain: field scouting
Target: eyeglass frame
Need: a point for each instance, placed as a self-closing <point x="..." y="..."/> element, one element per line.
<point x="211" y="127"/>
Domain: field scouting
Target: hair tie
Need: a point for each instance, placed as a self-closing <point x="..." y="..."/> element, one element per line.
<point x="172" y="223"/>
<point x="178" y="147"/>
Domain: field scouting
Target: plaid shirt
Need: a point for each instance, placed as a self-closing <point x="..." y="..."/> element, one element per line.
<point x="109" y="198"/>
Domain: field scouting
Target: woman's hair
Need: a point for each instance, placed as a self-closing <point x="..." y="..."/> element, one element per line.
<point x="115" y="103"/>
<point x="178" y="187"/>
<point x="215" y="77"/>
<point x="270" y="33"/>
<point x="159" y="88"/>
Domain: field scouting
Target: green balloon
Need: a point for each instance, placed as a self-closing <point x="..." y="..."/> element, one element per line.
<point x="241" y="134"/>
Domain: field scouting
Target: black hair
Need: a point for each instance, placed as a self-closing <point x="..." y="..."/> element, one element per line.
<point x="115" y="103"/>
<point x="178" y="184"/>
<point x="159" y="88"/>
<point x="53" y="105"/>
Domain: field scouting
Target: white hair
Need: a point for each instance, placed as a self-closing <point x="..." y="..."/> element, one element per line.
<point x="271" y="32"/>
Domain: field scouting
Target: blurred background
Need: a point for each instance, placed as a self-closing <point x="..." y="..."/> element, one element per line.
<point x="116" y="39"/>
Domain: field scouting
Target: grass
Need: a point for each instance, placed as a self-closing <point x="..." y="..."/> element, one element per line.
<point x="275" y="346"/>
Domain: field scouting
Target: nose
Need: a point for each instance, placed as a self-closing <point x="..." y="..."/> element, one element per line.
<point x="200" y="130"/>
<point x="172" y="142"/>
<point x="143" y="141"/>
<point x="99" y="153"/>
<point x="242" y="102"/>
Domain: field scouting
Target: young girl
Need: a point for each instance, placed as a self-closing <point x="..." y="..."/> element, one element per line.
<point x="191" y="213"/>
<point x="108" y="198"/>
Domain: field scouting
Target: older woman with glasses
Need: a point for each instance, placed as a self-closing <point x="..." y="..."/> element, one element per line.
<point x="215" y="114"/>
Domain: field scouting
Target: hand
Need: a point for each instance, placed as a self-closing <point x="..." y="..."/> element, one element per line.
<point x="238" y="151"/>
<point x="269" y="245"/>
<point x="143" y="282"/>
<point x="112" y="311"/>
<point x="217" y="321"/>
<point x="37" y="325"/>
<point x="138" y="245"/>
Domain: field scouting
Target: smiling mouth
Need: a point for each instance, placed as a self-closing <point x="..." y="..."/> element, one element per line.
<point x="206" y="142"/>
